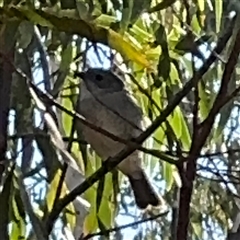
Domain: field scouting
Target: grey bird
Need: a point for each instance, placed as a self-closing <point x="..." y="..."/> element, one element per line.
<point x="106" y="103"/>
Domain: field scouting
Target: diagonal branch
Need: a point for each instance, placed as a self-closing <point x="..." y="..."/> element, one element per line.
<point x="203" y="132"/>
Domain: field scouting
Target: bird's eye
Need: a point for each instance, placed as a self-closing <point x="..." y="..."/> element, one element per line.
<point x="99" y="77"/>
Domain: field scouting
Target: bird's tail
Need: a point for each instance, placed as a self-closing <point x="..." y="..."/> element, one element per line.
<point x="143" y="192"/>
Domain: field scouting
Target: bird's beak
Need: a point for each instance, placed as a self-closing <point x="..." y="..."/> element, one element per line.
<point x="79" y="74"/>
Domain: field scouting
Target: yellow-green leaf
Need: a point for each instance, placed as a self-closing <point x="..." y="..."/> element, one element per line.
<point x="218" y="13"/>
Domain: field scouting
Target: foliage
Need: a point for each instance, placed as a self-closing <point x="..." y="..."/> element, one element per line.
<point x="159" y="46"/>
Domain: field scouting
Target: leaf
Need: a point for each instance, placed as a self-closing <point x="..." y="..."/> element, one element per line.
<point x="218" y="14"/>
<point x="89" y="30"/>
<point x="161" y="37"/>
<point x="176" y="122"/>
<point x="180" y="127"/>
<point x="100" y="190"/>
<point x="204" y="105"/>
<point x="198" y="230"/>
<point x="162" y="5"/>
<point x="102" y="227"/>
<point x="225" y="114"/>
<point x="201" y="5"/>
<point x="174" y="76"/>
<point x="185" y="137"/>
<point x="106" y="209"/>
<point x="90" y="222"/>
<point x="18" y="222"/>
<point x="168" y="175"/>
<point x="66" y="119"/>
<point x="48" y="152"/>
<point x="164" y="67"/>
<point x="26" y="30"/>
<point x="127" y="50"/>
<point x="226" y="110"/>
<point x="17" y="231"/>
<point x="25" y="12"/>
<point x="67" y="58"/>
<point x="195" y="24"/>
<point x="71" y="217"/>
<point x="82" y="10"/>
<point x="126" y="14"/>
<point x="51" y="194"/>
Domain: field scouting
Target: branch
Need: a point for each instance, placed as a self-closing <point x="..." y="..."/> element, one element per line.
<point x="7" y="45"/>
<point x="203" y="132"/>
<point x="6" y="71"/>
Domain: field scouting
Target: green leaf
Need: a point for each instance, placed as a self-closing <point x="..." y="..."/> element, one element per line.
<point x="175" y="120"/>
<point x="201" y="5"/>
<point x="82" y="10"/>
<point x="25" y="12"/>
<point x="174" y="76"/>
<point x="90" y="222"/>
<point x="126" y="14"/>
<point x="100" y="190"/>
<point x="67" y="57"/>
<point x="51" y="194"/>
<point x="66" y="119"/>
<point x="195" y="24"/>
<point x="198" y="230"/>
<point x="225" y="114"/>
<point x="185" y="137"/>
<point x="164" y="67"/>
<point x="48" y="152"/>
<point x="162" y="5"/>
<point x="18" y="222"/>
<point x="168" y="175"/>
<point x="218" y="14"/>
<point x="70" y="215"/>
<point x="99" y="196"/>
<point x="18" y="230"/>
<point x="26" y="31"/>
<point x="161" y="37"/>
<point x="106" y="210"/>
<point x="204" y="106"/>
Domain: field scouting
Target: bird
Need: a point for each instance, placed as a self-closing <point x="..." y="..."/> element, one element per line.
<point x="105" y="102"/>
